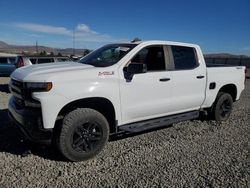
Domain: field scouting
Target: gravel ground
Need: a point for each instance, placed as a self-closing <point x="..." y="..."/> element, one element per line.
<point x="188" y="154"/>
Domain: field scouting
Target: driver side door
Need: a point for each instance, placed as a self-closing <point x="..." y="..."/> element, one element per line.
<point x="147" y="95"/>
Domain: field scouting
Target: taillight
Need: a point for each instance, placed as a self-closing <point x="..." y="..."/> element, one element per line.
<point x="20" y="62"/>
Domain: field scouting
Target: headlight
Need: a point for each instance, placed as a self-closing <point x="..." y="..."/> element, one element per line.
<point x="38" y="86"/>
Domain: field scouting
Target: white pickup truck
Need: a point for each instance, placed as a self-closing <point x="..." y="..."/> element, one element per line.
<point x="119" y="88"/>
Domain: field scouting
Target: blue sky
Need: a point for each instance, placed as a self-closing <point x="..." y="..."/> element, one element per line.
<point x="216" y="25"/>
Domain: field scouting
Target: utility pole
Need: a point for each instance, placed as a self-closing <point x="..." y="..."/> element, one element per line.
<point x="36" y="47"/>
<point x="73" y="41"/>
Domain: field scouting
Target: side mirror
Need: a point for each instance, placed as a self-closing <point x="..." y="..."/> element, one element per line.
<point x="134" y="68"/>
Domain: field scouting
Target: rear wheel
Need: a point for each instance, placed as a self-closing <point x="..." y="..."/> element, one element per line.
<point x="83" y="134"/>
<point x="222" y="107"/>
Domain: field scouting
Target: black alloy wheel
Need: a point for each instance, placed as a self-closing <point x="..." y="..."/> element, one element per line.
<point x="83" y="134"/>
<point x="222" y="107"/>
<point x="86" y="137"/>
<point x="225" y="108"/>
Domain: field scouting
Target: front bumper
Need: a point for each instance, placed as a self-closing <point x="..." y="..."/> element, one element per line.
<point x="29" y="121"/>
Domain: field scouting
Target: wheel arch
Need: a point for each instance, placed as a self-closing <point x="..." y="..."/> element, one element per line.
<point x="230" y="89"/>
<point x="100" y="104"/>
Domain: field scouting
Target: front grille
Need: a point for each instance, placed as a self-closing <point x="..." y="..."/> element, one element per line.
<point x="16" y="86"/>
<point x="17" y="89"/>
<point x="21" y="95"/>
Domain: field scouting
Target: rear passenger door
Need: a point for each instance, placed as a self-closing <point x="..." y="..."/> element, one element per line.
<point x="189" y="79"/>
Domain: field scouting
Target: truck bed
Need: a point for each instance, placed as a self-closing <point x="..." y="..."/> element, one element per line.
<point x="221" y="74"/>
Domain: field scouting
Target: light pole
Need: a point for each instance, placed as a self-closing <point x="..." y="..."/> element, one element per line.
<point x="73" y="41"/>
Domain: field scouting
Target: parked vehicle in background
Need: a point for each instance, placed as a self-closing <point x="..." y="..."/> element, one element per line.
<point x="30" y="60"/>
<point x="119" y="88"/>
<point x="75" y="58"/>
<point x="7" y="63"/>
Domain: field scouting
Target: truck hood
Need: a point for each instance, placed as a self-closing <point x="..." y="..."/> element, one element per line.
<point x="44" y="71"/>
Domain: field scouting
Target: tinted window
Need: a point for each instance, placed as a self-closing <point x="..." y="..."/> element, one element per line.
<point x="45" y="60"/>
<point x="62" y="59"/>
<point x="3" y="60"/>
<point x="33" y="60"/>
<point x="184" y="57"/>
<point x="152" y="56"/>
<point x="12" y="60"/>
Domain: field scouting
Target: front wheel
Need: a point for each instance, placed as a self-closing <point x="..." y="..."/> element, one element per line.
<point x="222" y="107"/>
<point x="83" y="134"/>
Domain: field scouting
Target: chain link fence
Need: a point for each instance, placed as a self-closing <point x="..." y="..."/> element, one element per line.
<point x="241" y="61"/>
<point x="229" y="61"/>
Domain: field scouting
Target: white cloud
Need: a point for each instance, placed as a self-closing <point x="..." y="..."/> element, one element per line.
<point x="34" y="35"/>
<point x="82" y="32"/>
<point x="84" y="28"/>
<point x="43" y="28"/>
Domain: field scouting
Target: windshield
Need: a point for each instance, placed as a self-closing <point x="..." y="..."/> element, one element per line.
<point x="107" y="55"/>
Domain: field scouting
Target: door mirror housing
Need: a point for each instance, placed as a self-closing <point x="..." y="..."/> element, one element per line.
<point x="134" y="68"/>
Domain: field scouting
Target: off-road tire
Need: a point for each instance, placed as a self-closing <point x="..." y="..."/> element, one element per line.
<point x="222" y="107"/>
<point x="72" y="126"/>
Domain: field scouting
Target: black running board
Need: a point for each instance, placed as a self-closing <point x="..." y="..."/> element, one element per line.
<point x="158" y="122"/>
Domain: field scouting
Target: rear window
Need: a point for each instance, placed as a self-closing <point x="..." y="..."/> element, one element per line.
<point x="12" y="60"/>
<point x="62" y="59"/>
<point x="184" y="57"/>
<point x="33" y="60"/>
<point x="45" y="60"/>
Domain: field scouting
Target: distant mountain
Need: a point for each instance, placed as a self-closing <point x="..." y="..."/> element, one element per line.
<point x="18" y="49"/>
<point x="3" y="44"/>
